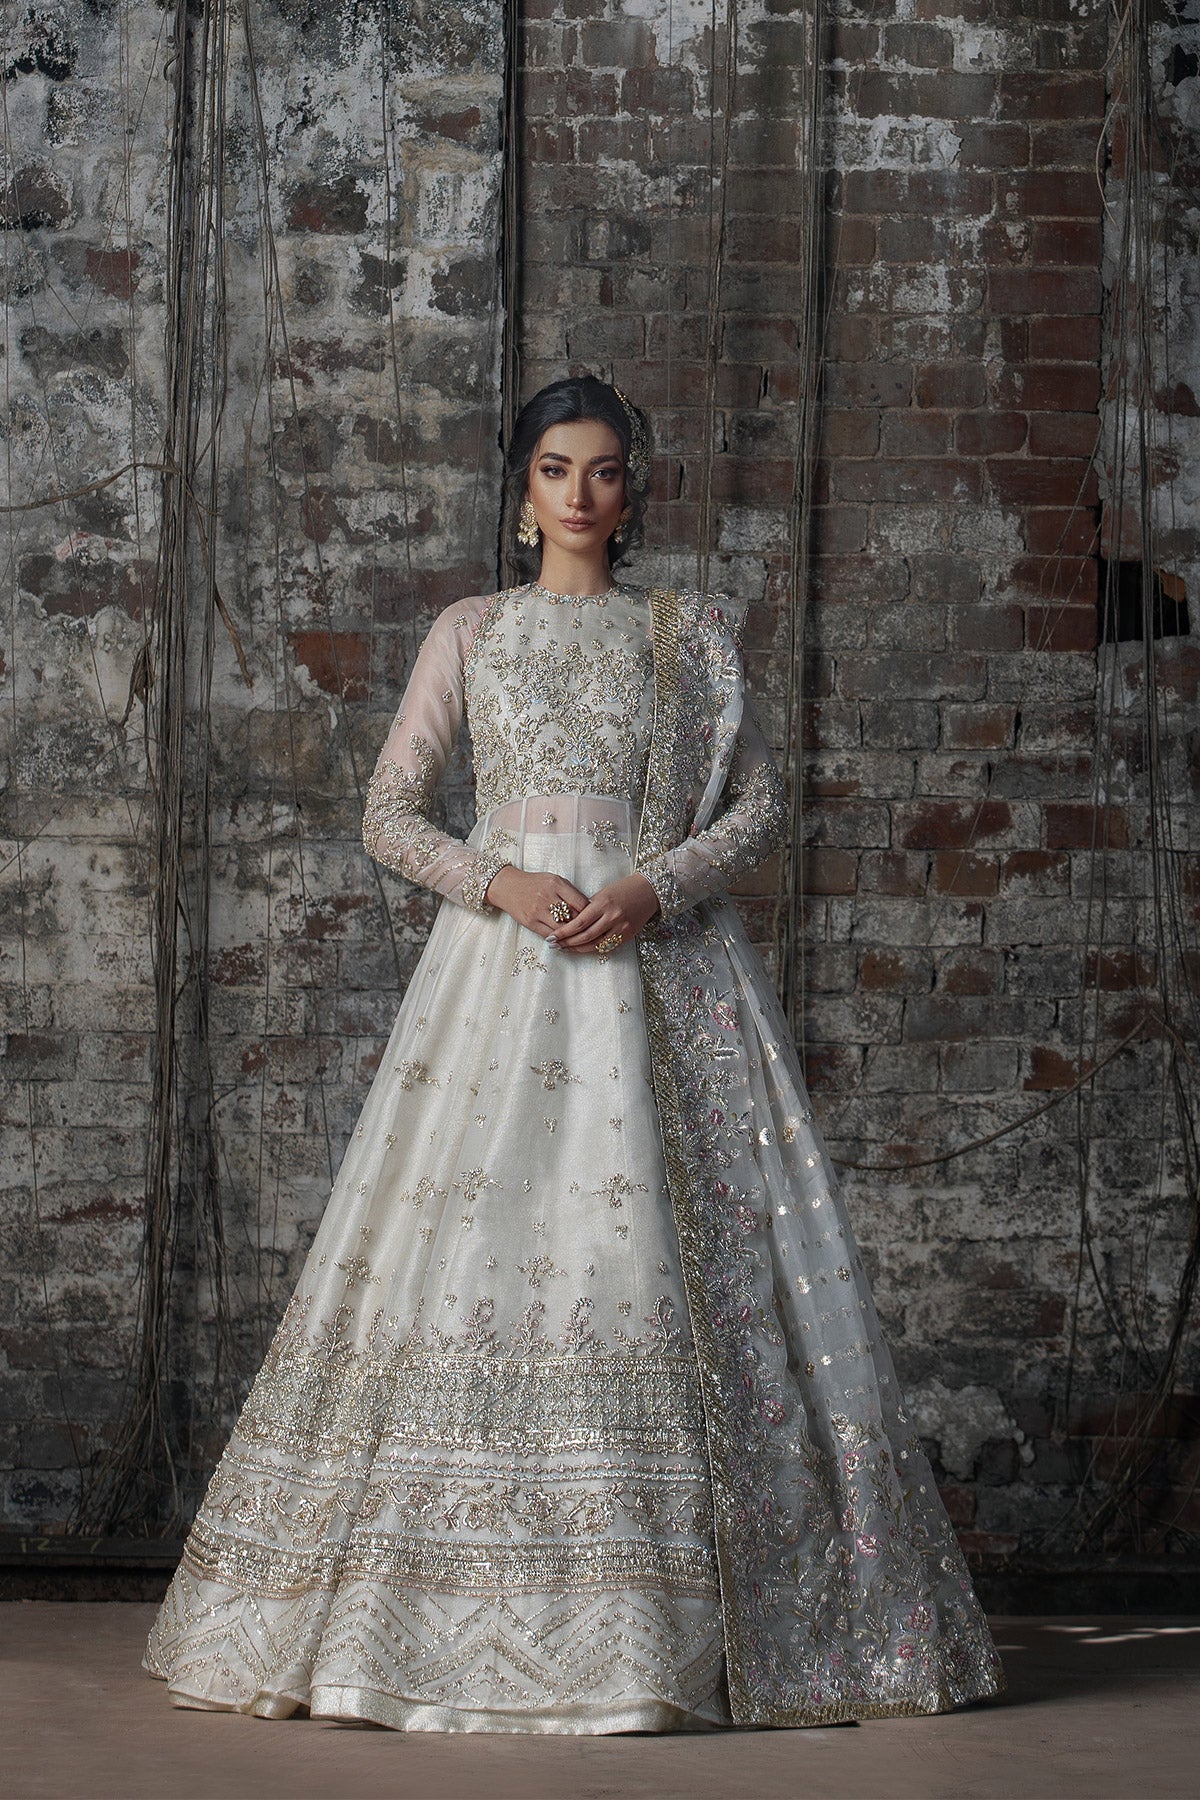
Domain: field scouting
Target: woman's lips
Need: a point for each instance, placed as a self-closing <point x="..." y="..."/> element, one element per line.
<point x="577" y="524"/>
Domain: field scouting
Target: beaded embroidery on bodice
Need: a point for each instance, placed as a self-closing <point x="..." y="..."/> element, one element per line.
<point x="559" y="696"/>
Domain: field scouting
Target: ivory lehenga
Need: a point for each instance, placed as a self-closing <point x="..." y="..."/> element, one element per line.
<point x="579" y="1419"/>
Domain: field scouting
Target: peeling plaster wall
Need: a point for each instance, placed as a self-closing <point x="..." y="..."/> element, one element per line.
<point x="371" y="298"/>
<point x="950" y="681"/>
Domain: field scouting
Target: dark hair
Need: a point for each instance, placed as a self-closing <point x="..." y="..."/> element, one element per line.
<point x="564" y="403"/>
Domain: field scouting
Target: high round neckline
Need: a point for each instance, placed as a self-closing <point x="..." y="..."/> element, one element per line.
<point x="544" y="593"/>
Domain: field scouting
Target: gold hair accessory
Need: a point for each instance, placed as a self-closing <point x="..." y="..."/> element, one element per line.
<point x="560" y="912"/>
<point x="527" y="526"/>
<point x="639" y="443"/>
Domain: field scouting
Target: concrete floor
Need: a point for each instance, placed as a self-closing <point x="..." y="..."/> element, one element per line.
<point x="1105" y="1708"/>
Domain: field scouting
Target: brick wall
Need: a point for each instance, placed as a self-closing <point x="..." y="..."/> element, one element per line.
<point x="950" y="684"/>
<point x="951" y="678"/>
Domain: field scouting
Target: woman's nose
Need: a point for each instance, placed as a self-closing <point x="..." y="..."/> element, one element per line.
<point x="577" y="496"/>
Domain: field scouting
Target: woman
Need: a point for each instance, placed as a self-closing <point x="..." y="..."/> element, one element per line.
<point x="579" y="1420"/>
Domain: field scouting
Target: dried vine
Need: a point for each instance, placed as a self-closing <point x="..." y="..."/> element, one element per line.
<point x="1151" y="220"/>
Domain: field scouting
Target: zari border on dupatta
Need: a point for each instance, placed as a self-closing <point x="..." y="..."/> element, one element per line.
<point x="652" y="837"/>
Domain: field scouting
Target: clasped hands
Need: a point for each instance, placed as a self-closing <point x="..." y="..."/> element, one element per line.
<point x="537" y="900"/>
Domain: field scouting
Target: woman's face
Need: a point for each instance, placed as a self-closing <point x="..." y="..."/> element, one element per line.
<point x="577" y="484"/>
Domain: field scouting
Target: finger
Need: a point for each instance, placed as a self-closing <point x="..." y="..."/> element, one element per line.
<point x="587" y="916"/>
<point x="605" y="926"/>
<point x="570" y="893"/>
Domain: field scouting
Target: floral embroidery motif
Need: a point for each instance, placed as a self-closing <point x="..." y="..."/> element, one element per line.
<point x="411" y="1071"/>
<point x="617" y="1189"/>
<point x="606" y="834"/>
<point x="471" y="1181"/>
<point x="357" y="1269"/>
<point x="539" y="1269"/>
<point x="556" y="717"/>
<point x="554" y="1073"/>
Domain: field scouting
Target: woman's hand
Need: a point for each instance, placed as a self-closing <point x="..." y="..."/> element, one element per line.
<point x="610" y="918"/>
<point x="529" y="897"/>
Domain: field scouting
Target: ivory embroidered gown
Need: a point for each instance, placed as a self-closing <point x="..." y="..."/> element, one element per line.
<point x="579" y="1419"/>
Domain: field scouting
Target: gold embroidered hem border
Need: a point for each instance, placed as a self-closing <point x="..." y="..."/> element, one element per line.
<point x="467" y="1569"/>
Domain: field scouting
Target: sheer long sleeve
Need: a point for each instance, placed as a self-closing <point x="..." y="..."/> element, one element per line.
<point x="751" y="824"/>
<point x="398" y="829"/>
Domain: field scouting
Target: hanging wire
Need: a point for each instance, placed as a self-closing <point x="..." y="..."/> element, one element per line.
<point x="1144" y="191"/>
<point x="789" y="908"/>
<point x="718" y="209"/>
<point x="511" y="128"/>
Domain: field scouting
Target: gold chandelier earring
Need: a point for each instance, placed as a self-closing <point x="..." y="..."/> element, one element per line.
<point x="622" y="527"/>
<point x="527" y="526"/>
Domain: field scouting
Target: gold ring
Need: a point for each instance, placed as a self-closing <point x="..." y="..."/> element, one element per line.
<point x="613" y="941"/>
<point x="560" y="912"/>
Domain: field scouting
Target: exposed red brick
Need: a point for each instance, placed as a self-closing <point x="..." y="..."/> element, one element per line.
<point x="829" y="871"/>
<point x="977" y="727"/>
<point x="115" y="272"/>
<point x="1070" y="241"/>
<point x="1047" y="387"/>
<point x="1052" y="481"/>
<point x="1064" y="340"/>
<point x="898" y="872"/>
<point x="990" y="1544"/>
<point x="971" y="972"/>
<point x="852" y="241"/>
<point x="1050" y="193"/>
<point x="908" y="434"/>
<point x="951" y="384"/>
<point x="990" y="433"/>
<point x="960" y="872"/>
<point x="1055" y="291"/>
<point x="1060" y="627"/>
<point x="959" y="1502"/>
<point x="840" y="530"/>
<point x="1036" y="871"/>
<point x="951" y="824"/>
<point x="832" y="1068"/>
<point x="868" y="384"/>
<point x="1060" y="531"/>
<point x="850" y="433"/>
<point x="894" y="972"/>
<point x="1001" y="146"/>
<point x="338" y="661"/>
<point x="1077" y="825"/>
<point x="1116" y="970"/>
<point x="1038" y="95"/>
<point x="1050" y="1070"/>
<point x="238" y="965"/>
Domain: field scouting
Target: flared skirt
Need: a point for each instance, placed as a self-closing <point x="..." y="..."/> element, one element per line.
<point x="472" y="1485"/>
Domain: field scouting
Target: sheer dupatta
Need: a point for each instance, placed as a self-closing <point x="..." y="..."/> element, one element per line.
<point x="844" y="1593"/>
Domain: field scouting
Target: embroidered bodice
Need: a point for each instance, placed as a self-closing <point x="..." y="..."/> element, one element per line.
<point x="558" y="693"/>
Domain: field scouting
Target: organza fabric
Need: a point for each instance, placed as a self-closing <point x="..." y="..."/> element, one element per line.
<point x="487" y="1477"/>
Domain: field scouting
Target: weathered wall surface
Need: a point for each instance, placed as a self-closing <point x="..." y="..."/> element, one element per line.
<point x="354" y="485"/>
<point x="966" y="944"/>
<point x="954" y="791"/>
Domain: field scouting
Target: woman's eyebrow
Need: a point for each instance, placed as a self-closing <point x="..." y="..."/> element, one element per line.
<point x="562" y="457"/>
